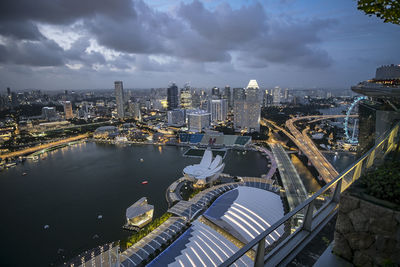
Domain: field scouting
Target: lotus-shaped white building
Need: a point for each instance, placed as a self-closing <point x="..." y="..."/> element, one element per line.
<point x="207" y="171"/>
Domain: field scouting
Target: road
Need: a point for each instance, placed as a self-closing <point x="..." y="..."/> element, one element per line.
<point x="43" y="146"/>
<point x="306" y="145"/>
<point x="294" y="187"/>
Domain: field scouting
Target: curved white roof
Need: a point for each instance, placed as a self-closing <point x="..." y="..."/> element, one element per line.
<point x="207" y="168"/>
<point x="248" y="212"/>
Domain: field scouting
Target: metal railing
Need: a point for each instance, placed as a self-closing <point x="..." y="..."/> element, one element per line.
<point x="315" y="219"/>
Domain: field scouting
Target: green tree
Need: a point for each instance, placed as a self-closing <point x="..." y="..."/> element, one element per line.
<point x="388" y="10"/>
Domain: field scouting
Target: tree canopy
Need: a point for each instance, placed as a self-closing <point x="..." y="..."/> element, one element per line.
<point x="388" y="10"/>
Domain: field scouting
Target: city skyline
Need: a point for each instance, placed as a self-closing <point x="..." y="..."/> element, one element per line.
<point x="147" y="44"/>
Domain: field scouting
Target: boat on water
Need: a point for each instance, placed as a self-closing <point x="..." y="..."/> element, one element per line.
<point x="24" y="173"/>
<point x="145" y="182"/>
<point x="10" y="164"/>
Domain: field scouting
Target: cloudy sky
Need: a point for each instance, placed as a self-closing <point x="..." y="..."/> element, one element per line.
<point x="87" y="44"/>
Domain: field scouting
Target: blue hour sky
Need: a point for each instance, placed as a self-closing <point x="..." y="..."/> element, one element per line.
<point x="87" y="44"/>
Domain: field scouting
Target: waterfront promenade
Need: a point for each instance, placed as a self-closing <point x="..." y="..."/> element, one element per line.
<point x="43" y="146"/>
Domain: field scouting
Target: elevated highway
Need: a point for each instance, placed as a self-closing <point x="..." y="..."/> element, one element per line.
<point x="306" y="145"/>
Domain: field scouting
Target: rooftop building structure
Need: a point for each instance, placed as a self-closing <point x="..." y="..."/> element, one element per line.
<point x="235" y="217"/>
<point x="105" y="132"/>
<point x="176" y="117"/>
<point x="49" y="113"/>
<point x="140" y="213"/>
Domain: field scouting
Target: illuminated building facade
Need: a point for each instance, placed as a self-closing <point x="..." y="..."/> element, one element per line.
<point x="119" y="98"/>
<point x="68" y="110"/>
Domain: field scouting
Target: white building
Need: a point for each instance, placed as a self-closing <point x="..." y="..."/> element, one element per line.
<point x="176" y="117"/>
<point x="207" y="171"/>
<point x="119" y="98"/>
<point x="198" y="120"/>
<point x="219" y="110"/>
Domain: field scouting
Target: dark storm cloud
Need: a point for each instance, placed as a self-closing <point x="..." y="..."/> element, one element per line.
<point x="25" y="30"/>
<point x="196" y="34"/>
<point x="32" y="53"/>
<point x="63" y="12"/>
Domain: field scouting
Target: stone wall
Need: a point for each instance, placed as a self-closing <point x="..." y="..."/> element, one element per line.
<point x="367" y="234"/>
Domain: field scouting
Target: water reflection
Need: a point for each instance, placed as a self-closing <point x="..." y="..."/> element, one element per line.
<point x="309" y="181"/>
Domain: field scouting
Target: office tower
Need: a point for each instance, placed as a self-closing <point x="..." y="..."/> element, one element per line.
<point x="196" y="100"/>
<point x="247" y="111"/>
<point x="198" y="120"/>
<point x="119" y="97"/>
<point x="267" y="99"/>
<point x="134" y="110"/>
<point x="176" y="117"/>
<point x="68" y="110"/>
<point x="172" y="96"/>
<point x="276" y="95"/>
<point x="186" y="97"/>
<point x="49" y="113"/>
<point x="286" y="94"/>
<point x="238" y="94"/>
<point x="227" y="95"/>
<point x="215" y="93"/>
<point x="218" y="110"/>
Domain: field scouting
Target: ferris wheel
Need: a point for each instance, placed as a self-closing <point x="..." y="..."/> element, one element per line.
<point x="352" y="139"/>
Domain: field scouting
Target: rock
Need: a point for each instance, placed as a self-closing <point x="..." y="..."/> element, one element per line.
<point x="374" y="211"/>
<point x="383" y="225"/>
<point x="360" y="240"/>
<point x="341" y="247"/>
<point x="385" y="244"/>
<point x="358" y="220"/>
<point x="343" y="224"/>
<point x="348" y="203"/>
<point x="362" y="259"/>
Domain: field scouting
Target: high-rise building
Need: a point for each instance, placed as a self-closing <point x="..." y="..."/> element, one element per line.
<point x="196" y="100"/>
<point x="198" y="120"/>
<point x="276" y="95"/>
<point x="238" y="94"/>
<point x="119" y="98"/>
<point x="218" y="110"/>
<point x="227" y="95"/>
<point x="286" y="94"/>
<point x="49" y="113"/>
<point x="186" y="97"/>
<point x="172" y="96"/>
<point x="68" y="110"/>
<point x="215" y="93"/>
<point x="176" y="117"/>
<point x="247" y="111"/>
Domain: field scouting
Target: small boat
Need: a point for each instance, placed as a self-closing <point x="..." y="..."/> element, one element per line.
<point x="145" y="182"/>
<point x="24" y="173"/>
<point x="141" y="160"/>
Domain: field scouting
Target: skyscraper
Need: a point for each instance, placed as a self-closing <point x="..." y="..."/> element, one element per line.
<point x="119" y="97"/>
<point x="238" y="94"/>
<point x="227" y="95"/>
<point x="172" y="96"/>
<point x="247" y="111"/>
<point x="276" y="95"/>
<point x="186" y="97"/>
<point x="198" y="120"/>
<point x="68" y="110"/>
<point x="215" y="93"/>
<point x="218" y="110"/>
